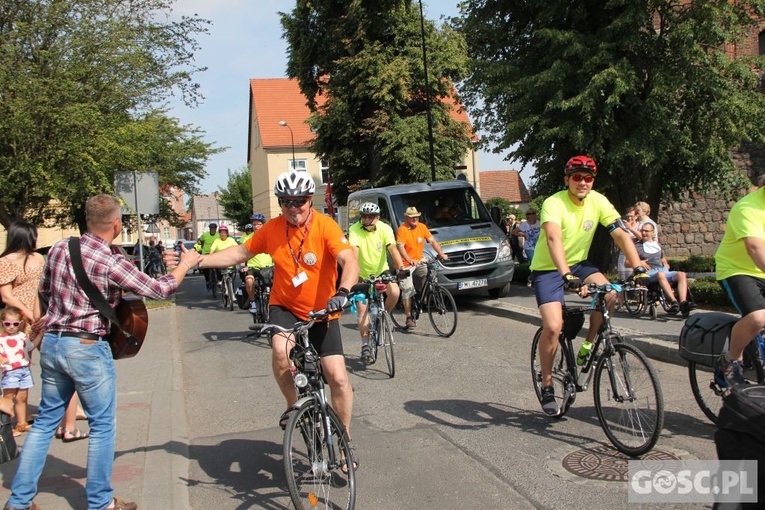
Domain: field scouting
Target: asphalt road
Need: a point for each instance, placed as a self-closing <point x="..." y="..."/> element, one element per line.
<point x="458" y="427"/>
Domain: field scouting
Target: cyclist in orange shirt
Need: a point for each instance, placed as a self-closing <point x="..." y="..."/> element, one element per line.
<point x="410" y="239"/>
<point x="306" y="247"/>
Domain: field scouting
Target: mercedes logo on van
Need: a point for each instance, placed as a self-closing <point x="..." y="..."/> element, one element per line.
<point x="469" y="258"/>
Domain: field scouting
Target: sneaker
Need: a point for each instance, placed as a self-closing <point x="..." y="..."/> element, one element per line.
<point x="207" y="286"/>
<point x="253" y="307"/>
<point x="366" y="354"/>
<point x="549" y="404"/>
<point x="733" y="370"/>
<point x="33" y="507"/>
<point x="410" y="324"/>
<point x="686" y="307"/>
<point x="673" y="307"/>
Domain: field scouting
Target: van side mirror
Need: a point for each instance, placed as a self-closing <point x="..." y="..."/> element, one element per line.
<point x="496" y="215"/>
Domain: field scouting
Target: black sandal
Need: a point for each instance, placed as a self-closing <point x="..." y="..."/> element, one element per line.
<point x="354" y="459"/>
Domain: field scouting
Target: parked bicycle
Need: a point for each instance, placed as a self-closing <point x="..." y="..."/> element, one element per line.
<point x="703" y="339"/>
<point x="227" y="288"/>
<point x="380" y="323"/>
<point x="627" y="392"/>
<point x="440" y="305"/>
<point x="316" y="444"/>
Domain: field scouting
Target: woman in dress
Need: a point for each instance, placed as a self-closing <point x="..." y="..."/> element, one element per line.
<point x="20" y="272"/>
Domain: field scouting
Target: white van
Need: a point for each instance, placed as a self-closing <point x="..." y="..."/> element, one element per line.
<point x="479" y="253"/>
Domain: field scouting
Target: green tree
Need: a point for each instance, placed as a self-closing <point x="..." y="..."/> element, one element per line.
<point x="236" y="197"/>
<point x="647" y="88"/>
<point x="78" y="81"/>
<point x="360" y="66"/>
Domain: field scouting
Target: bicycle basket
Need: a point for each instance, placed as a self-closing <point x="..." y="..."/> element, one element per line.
<point x="573" y="320"/>
<point x="265" y="276"/>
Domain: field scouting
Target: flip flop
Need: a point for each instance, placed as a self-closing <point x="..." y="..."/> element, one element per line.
<point x="59" y="432"/>
<point x="76" y="434"/>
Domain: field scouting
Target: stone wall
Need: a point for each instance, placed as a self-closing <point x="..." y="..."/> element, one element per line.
<point x="696" y="226"/>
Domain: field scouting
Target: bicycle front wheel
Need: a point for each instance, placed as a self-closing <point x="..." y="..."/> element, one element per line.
<point x="398" y="315"/>
<point x="442" y="311"/>
<point x="213" y="283"/>
<point x="635" y="301"/>
<point x="230" y="294"/>
<point x="385" y="337"/>
<point x="313" y="461"/>
<point x="631" y="407"/>
<point x="223" y="296"/>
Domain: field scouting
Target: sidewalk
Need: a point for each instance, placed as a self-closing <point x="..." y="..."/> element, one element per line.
<point x="151" y="458"/>
<point x="656" y="338"/>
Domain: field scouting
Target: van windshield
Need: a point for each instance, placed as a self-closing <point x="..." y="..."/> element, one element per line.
<point x="444" y="207"/>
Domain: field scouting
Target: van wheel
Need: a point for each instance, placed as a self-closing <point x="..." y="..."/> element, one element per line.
<point x="500" y="292"/>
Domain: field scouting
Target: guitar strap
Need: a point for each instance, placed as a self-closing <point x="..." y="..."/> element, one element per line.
<point x="91" y="291"/>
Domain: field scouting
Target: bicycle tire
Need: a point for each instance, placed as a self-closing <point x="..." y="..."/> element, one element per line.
<point x="311" y="480"/>
<point x="560" y="375"/>
<point x="709" y="387"/>
<point x="441" y="310"/>
<point x="263" y="311"/>
<point x="213" y="283"/>
<point x="223" y="297"/>
<point x="398" y="315"/>
<point x="230" y="292"/>
<point x="633" y="430"/>
<point x="385" y="338"/>
<point x="635" y="301"/>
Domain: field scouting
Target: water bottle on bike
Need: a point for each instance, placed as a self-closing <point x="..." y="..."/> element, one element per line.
<point x="584" y="353"/>
<point x="373" y="313"/>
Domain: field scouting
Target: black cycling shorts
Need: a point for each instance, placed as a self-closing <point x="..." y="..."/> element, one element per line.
<point x="324" y="336"/>
<point x="747" y="293"/>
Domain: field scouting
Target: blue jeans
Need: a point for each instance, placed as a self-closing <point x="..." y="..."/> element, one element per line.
<point x="67" y="365"/>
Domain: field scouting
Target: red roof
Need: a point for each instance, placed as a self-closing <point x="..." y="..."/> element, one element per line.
<point x="505" y="184"/>
<point x="276" y="99"/>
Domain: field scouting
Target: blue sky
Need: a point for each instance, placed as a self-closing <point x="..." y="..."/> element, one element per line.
<point x="245" y="42"/>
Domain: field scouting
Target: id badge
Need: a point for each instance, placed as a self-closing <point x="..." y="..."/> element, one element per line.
<point x="300" y="279"/>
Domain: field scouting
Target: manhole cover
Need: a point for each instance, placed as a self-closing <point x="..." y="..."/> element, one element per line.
<point x="606" y="464"/>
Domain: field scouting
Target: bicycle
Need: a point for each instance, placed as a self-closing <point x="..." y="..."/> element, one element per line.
<point x="629" y="401"/>
<point x="316" y="444"/>
<point x="380" y="324"/>
<point x="264" y="278"/>
<point x="227" y="288"/>
<point x="442" y="310"/>
<point x="639" y="299"/>
<point x="708" y="384"/>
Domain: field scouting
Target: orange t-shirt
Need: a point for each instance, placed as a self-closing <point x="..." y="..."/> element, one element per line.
<point x="413" y="239"/>
<point x="322" y="240"/>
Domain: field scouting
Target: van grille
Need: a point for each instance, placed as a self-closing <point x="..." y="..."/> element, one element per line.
<point x="481" y="256"/>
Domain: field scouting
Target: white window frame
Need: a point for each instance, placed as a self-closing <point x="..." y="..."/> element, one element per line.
<point x="323" y="167"/>
<point x="301" y="165"/>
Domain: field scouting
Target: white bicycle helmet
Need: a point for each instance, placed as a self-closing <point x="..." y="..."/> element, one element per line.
<point x="294" y="183"/>
<point x="369" y="208"/>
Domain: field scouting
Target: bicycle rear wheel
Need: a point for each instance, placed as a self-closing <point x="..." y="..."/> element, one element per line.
<point x="314" y="479"/>
<point x="230" y="293"/>
<point x="635" y="301"/>
<point x="631" y="411"/>
<point x="560" y="376"/>
<point x="213" y="283"/>
<point x="385" y="337"/>
<point x="442" y="311"/>
<point x="709" y="386"/>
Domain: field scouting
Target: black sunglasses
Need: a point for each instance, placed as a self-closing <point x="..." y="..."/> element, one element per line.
<point x="297" y="202"/>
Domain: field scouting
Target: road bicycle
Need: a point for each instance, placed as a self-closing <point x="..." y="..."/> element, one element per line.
<point x="627" y="392"/>
<point x="708" y="384"/>
<point x="380" y="323"/>
<point x="227" y="288"/>
<point x="442" y="310"/>
<point x="316" y="444"/>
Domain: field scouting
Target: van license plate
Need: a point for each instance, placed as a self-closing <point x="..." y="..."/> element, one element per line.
<point x="472" y="284"/>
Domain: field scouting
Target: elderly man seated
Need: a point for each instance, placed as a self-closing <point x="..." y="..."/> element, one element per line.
<point x="652" y="256"/>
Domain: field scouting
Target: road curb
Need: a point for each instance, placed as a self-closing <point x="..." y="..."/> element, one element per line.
<point x="657" y="347"/>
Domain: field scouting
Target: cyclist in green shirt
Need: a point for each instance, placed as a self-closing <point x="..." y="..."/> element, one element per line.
<point x="372" y="240"/>
<point x="740" y="267"/>
<point x="256" y="263"/>
<point x="205" y="242"/>
<point x="569" y="219"/>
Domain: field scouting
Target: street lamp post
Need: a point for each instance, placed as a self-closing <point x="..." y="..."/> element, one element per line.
<point x="292" y="137"/>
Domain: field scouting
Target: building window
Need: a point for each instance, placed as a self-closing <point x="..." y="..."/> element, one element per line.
<point x="761" y="43"/>
<point x="299" y="164"/>
<point x="166" y="232"/>
<point x="324" y="167"/>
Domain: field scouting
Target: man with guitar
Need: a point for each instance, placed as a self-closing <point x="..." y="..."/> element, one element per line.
<point x="75" y="355"/>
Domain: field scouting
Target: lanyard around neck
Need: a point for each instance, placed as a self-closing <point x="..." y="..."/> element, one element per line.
<point x="296" y="258"/>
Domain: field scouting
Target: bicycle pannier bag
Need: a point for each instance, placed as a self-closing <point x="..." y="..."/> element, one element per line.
<point x="741" y="431"/>
<point x="704" y="337"/>
<point x="266" y="277"/>
<point x="8" y="449"/>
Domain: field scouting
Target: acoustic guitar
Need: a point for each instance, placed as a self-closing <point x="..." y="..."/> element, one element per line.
<point x="134" y="320"/>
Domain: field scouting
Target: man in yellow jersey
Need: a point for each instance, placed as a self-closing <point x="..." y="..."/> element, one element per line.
<point x="205" y="242"/>
<point x="256" y="263"/>
<point x="569" y="219"/>
<point x="372" y="240"/>
<point x="740" y="266"/>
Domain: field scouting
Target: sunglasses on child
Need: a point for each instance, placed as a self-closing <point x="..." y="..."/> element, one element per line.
<point x="298" y="202"/>
<point x="9" y="324"/>
<point x="583" y="177"/>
